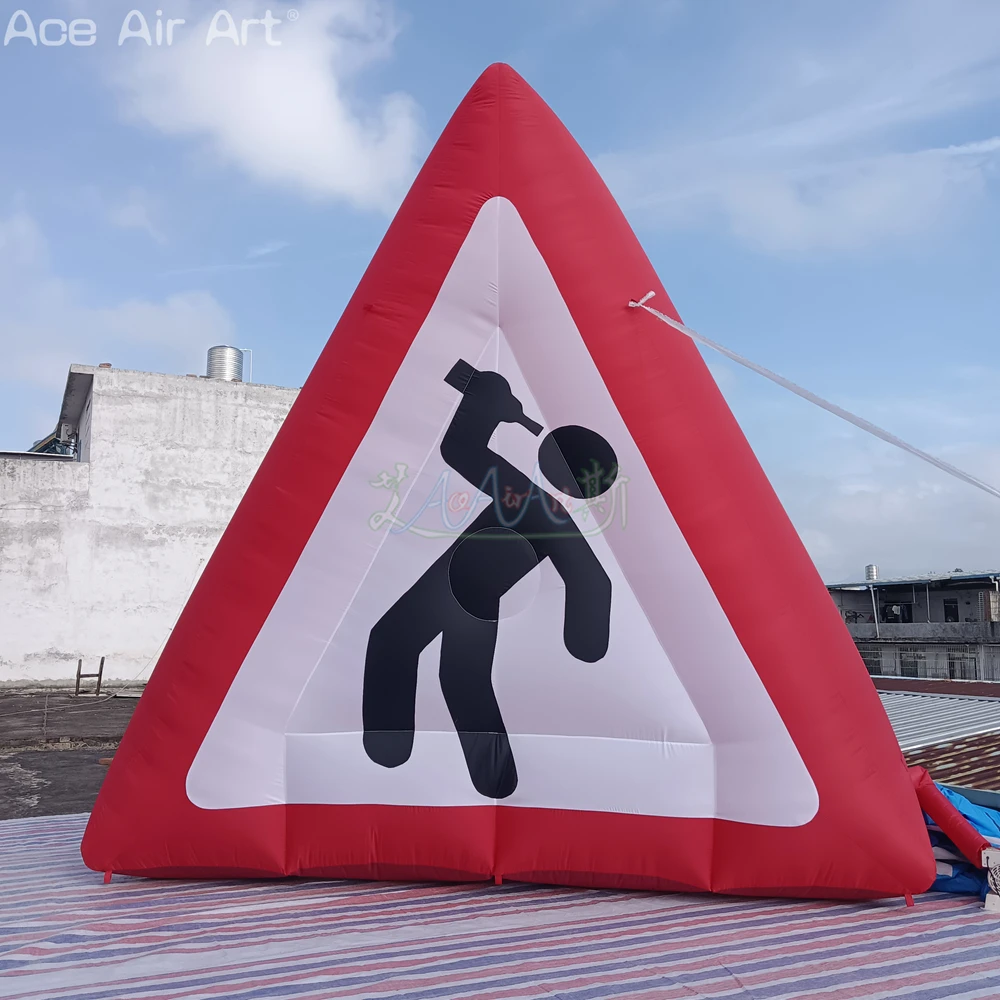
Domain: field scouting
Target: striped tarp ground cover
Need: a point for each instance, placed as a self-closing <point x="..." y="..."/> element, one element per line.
<point x="64" y="934"/>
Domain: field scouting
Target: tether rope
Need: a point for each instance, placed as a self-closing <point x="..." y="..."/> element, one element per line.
<point x="851" y="418"/>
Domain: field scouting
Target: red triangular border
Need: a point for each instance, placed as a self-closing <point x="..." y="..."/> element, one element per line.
<point x="868" y="837"/>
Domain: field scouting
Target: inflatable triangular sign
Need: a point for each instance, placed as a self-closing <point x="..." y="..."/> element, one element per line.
<point x="510" y="595"/>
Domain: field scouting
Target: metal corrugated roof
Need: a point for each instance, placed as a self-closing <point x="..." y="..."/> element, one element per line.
<point x="922" y="720"/>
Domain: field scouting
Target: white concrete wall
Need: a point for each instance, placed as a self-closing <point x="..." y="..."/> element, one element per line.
<point x="97" y="557"/>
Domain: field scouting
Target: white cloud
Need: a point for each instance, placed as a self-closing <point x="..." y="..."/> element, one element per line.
<point x="188" y="320"/>
<point x="220" y="268"/>
<point x="265" y="249"/>
<point x="853" y="204"/>
<point x="855" y="500"/>
<point x="724" y="375"/>
<point x="816" y="150"/>
<point x="22" y="244"/>
<point x="286" y="115"/>
<point x="902" y="516"/>
<point x="133" y="212"/>
<point x="47" y="323"/>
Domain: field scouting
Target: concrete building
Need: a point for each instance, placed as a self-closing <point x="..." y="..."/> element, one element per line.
<point x="944" y="626"/>
<point x="106" y="524"/>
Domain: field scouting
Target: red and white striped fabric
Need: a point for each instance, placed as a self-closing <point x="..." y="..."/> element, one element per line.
<point x="64" y="935"/>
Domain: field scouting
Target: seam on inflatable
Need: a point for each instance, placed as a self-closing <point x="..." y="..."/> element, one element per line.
<point x="496" y="272"/>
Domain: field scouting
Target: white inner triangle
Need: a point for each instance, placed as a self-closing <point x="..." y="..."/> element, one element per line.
<point x="673" y="721"/>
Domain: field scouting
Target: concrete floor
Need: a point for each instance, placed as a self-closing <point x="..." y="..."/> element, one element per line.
<point x="51" y="745"/>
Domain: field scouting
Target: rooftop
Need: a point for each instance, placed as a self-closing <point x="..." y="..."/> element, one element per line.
<point x="956" y="576"/>
<point x="923" y="720"/>
<point x="60" y="444"/>
<point x="310" y="939"/>
<point x="971" y="763"/>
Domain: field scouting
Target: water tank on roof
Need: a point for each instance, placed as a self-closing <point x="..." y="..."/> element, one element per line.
<point x="225" y="363"/>
<point x="871" y="573"/>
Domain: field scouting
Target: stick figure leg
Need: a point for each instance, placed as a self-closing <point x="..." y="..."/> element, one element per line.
<point x="467" y="647"/>
<point x="394" y="647"/>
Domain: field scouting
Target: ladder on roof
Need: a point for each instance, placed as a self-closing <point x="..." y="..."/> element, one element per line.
<point x="80" y="676"/>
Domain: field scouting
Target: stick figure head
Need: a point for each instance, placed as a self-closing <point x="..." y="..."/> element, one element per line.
<point x="578" y="461"/>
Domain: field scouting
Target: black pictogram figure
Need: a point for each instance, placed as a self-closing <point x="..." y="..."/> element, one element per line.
<point x="459" y="595"/>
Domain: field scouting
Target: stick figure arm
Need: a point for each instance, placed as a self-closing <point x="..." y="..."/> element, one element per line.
<point x="477" y="463"/>
<point x="587" y="619"/>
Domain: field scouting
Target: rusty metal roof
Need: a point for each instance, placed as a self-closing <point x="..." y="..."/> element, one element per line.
<point x="956" y="737"/>
<point x="973" y="762"/>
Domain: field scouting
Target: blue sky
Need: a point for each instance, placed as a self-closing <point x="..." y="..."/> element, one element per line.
<point x="816" y="184"/>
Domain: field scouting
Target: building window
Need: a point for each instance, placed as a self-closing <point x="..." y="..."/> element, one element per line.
<point x="898" y="612"/>
<point x="991" y="663"/>
<point x="871" y="654"/>
<point x="962" y="663"/>
<point x="951" y="609"/>
<point x="912" y="663"/>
